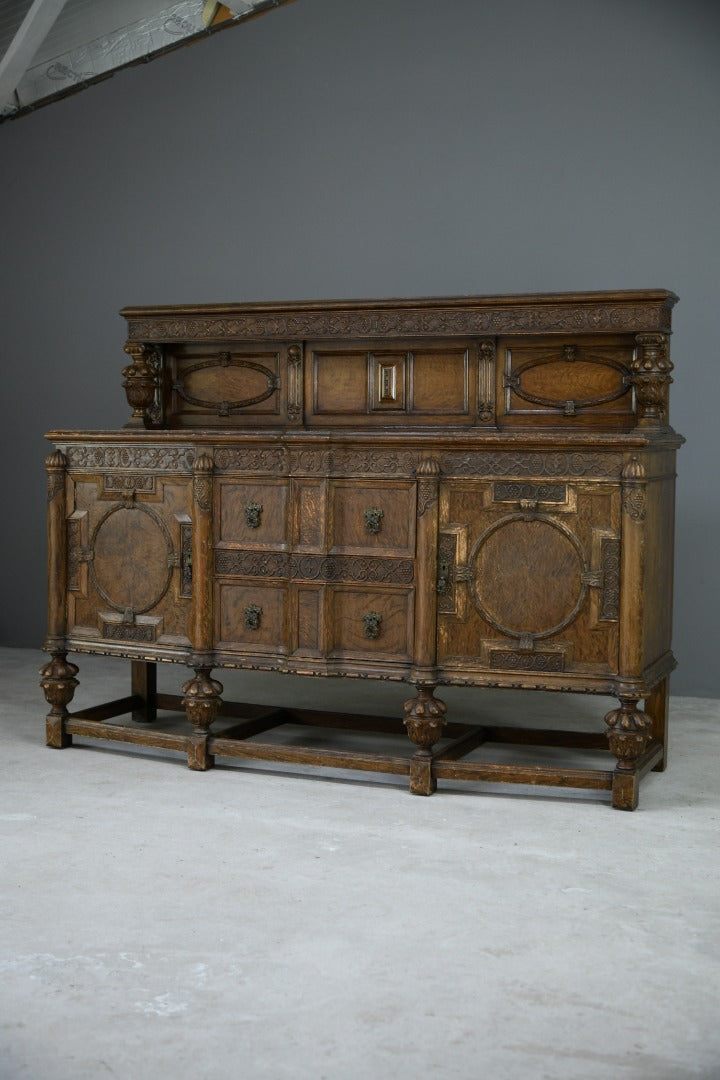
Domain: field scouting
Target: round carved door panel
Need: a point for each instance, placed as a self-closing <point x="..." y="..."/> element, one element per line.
<point x="125" y="540"/>
<point x="528" y="576"/>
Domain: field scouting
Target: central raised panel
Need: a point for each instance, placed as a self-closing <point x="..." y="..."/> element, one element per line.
<point x="527" y="577"/>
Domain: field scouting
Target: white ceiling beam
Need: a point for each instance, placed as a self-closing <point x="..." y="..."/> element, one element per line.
<point x="33" y="30"/>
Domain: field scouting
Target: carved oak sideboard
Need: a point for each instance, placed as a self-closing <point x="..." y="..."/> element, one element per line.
<point x="471" y="491"/>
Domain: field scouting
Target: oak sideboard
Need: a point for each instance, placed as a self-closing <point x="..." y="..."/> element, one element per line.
<point x="464" y="491"/>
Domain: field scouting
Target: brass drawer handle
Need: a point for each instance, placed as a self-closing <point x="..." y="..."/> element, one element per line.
<point x="252" y="514"/>
<point x="253" y="614"/>
<point x="372" y="624"/>
<point x="373" y="519"/>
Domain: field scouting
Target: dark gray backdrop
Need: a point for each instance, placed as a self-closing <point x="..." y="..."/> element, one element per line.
<point x="358" y="148"/>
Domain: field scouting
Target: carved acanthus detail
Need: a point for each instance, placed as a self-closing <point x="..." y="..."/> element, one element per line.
<point x="58" y="682"/>
<point x="202" y="482"/>
<point x="140" y="381"/>
<point x="428" y="474"/>
<point x="55" y="465"/>
<point x="202" y="699"/>
<point x="425" y="718"/>
<point x="628" y="733"/>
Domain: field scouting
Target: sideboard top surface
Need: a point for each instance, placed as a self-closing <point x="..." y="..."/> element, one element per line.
<point x="633" y="310"/>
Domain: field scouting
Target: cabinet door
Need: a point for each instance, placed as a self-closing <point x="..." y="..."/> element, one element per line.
<point x="129" y="559"/>
<point x="529" y="576"/>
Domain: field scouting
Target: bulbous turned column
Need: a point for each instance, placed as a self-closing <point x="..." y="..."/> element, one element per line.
<point x="58" y="682"/>
<point x="628" y="734"/>
<point x="140" y="383"/>
<point x="651" y="378"/>
<point x="202" y="702"/>
<point x="424" y="720"/>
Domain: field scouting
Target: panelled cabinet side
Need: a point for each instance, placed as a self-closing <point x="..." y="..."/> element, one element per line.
<point x="469" y="491"/>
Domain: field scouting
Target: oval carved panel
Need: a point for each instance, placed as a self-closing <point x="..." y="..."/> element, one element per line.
<point x="125" y="538"/>
<point x="242" y="383"/>
<point x="570" y="382"/>
<point x="528" y="576"/>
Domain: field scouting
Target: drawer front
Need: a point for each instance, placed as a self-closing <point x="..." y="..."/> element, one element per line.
<point x="251" y="617"/>
<point x="368" y="623"/>
<point x="372" y="517"/>
<point x="252" y="513"/>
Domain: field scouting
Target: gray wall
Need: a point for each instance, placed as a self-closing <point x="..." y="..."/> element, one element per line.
<point x="353" y="148"/>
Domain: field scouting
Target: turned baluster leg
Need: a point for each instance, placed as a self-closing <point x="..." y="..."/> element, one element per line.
<point x="657" y="707"/>
<point x="628" y="735"/>
<point x="202" y="701"/>
<point x="143" y="686"/>
<point x="424" y="720"/>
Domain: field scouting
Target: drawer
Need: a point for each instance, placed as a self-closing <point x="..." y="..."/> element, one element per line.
<point x="251" y="617"/>
<point x="252" y="513"/>
<point x="372" y="517"/>
<point x="371" y="622"/>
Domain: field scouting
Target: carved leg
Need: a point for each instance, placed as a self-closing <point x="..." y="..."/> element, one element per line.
<point x="424" y="720"/>
<point x="58" y="682"/>
<point x="656" y="707"/>
<point x="201" y="701"/>
<point x="628" y="735"/>
<point x="143" y="685"/>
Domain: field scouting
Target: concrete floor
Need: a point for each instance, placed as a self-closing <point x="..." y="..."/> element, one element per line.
<point x="253" y="922"/>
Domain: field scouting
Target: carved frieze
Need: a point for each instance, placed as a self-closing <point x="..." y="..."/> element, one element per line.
<point x="331" y="568"/>
<point x="514" y="660"/>
<point x="251" y="459"/>
<point x="436" y="321"/>
<point x="483" y="463"/>
<point x="163" y="458"/>
<point x="122" y="482"/>
<point x="118" y="631"/>
<point x="514" y="491"/>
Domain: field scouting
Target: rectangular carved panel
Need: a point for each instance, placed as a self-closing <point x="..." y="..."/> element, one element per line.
<point x="610" y="596"/>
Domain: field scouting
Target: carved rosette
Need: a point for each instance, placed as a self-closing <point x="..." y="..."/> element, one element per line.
<point x="202" y="699"/>
<point x="651" y="378"/>
<point x="424" y="719"/>
<point x="140" y="382"/>
<point x="628" y="733"/>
